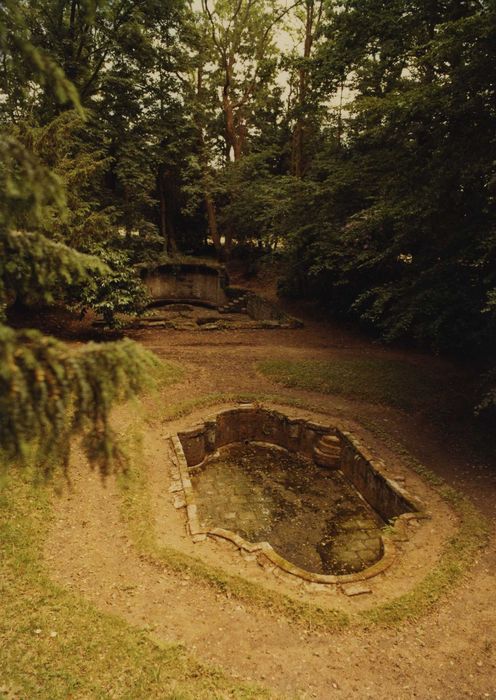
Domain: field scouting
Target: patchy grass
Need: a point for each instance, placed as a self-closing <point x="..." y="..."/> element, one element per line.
<point x="392" y="382"/>
<point x="184" y="408"/>
<point x="55" y="645"/>
<point x="97" y="655"/>
<point x="167" y="373"/>
<point x="458" y="555"/>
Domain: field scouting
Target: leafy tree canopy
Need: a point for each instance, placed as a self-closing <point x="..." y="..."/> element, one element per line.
<point x="353" y="138"/>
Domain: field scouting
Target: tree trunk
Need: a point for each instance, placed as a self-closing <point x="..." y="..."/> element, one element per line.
<point x="298" y="145"/>
<point x="212" y="221"/>
<point x="167" y="230"/>
<point x="228" y="242"/>
<point x="297" y="148"/>
<point x="207" y="194"/>
<point x="232" y="138"/>
<point x="340" y="114"/>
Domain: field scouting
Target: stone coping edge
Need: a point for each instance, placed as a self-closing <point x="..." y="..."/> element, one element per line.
<point x="264" y="552"/>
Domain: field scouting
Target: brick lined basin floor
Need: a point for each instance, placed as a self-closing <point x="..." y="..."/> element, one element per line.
<point x="312" y="517"/>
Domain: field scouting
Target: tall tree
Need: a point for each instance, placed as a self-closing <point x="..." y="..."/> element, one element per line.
<point x="48" y="394"/>
<point x="123" y="57"/>
<point x="237" y="72"/>
<point x="404" y="223"/>
<point x="310" y="16"/>
<point x="243" y="52"/>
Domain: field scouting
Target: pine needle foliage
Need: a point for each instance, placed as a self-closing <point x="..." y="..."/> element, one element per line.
<point x="49" y="394"/>
<point x="26" y="186"/>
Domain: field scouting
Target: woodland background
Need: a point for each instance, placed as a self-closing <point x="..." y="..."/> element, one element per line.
<point x="349" y="145"/>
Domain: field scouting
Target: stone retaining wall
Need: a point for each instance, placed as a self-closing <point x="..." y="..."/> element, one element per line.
<point x="262" y="310"/>
<point x="186" y="282"/>
<point x="207" y="285"/>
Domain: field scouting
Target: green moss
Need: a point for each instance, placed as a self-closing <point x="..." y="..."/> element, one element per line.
<point x="392" y="382"/>
<point x="178" y="260"/>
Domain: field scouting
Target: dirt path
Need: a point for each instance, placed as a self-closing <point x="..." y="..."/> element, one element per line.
<point x="449" y="654"/>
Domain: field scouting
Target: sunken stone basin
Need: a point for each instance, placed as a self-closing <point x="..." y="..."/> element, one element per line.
<point x="302" y="496"/>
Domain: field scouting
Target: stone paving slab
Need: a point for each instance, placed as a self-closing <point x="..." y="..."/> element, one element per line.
<point x="262" y="493"/>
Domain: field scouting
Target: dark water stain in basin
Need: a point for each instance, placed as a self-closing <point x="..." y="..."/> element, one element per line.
<point x="312" y="517"/>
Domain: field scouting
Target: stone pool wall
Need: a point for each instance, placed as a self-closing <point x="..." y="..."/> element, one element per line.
<point x="330" y="447"/>
<point x="250" y="425"/>
<point x="367" y="475"/>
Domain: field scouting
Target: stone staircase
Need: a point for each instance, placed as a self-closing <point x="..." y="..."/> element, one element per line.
<point x="236" y="304"/>
<point x="327" y="452"/>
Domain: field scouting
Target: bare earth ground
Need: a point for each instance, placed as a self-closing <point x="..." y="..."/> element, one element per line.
<point x="450" y="653"/>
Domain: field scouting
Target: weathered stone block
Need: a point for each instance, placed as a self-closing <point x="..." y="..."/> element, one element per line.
<point x="328" y="461"/>
<point x="353" y="589"/>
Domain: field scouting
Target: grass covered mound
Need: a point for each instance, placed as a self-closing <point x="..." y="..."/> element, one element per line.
<point x="392" y="382"/>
